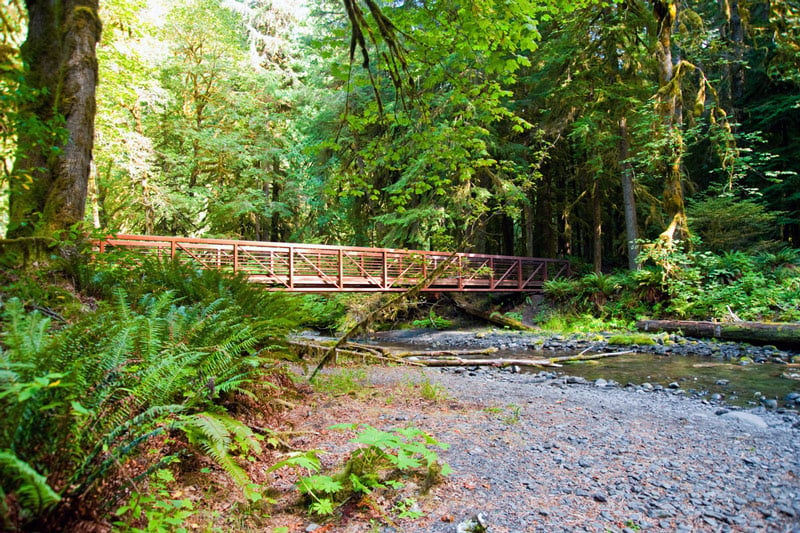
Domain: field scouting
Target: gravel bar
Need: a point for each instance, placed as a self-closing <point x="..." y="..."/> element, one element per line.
<point x="548" y="453"/>
<point x="541" y="454"/>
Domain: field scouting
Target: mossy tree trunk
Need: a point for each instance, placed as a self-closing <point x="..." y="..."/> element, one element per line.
<point x="61" y="56"/>
<point x="669" y="106"/>
<point x="780" y="334"/>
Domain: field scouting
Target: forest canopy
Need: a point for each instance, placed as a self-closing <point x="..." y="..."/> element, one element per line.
<point x="528" y="128"/>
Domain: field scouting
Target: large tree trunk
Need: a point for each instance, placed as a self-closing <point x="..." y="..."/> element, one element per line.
<point x="60" y="52"/>
<point x="732" y="31"/>
<point x="670" y="108"/>
<point x="597" y="230"/>
<point x="628" y="197"/>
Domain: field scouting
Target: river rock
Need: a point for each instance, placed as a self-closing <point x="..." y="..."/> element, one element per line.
<point x="476" y="524"/>
<point x="748" y="418"/>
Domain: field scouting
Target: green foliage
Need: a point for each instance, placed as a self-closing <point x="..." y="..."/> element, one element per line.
<point x="433" y="321"/>
<point x="512" y="417"/>
<point x="342" y="382"/>
<point x="514" y="315"/>
<point x="561" y="290"/>
<point x="677" y="282"/>
<point x="324" y="312"/>
<point x="35" y="496"/>
<point x="407" y="508"/>
<point x="81" y="402"/>
<point x="270" y="315"/>
<point x="382" y="456"/>
<point x="727" y="223"/>
<point x="156" y="508"/>
<point x="433" y="392"/>
<point x="219" y="436"/>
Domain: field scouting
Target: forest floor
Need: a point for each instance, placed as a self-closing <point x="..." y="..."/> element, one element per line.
<point x="534" y="452"/>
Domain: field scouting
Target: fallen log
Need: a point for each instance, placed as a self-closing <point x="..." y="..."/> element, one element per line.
<point x="313" y="349"/>
<point x="503" y="362"/>
<point x="443" y="353"/>
<point x="490" y="316"/>
<point x="779" y="334"/>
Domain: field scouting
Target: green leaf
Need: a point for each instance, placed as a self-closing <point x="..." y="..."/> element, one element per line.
<point x="79" y="409"/>
<point x="318" y="483"/>
<point x="322" y="507"/>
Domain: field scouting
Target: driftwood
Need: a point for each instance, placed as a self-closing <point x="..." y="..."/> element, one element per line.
<point x="378" y="352"/>
<point x="490" y="316"/>
<point x="443" y="353"/>
<point x="779" y="334"/>
<point x="351" y="349"/>
<point x="503" y="362"/>
<point x="439" y="358"/>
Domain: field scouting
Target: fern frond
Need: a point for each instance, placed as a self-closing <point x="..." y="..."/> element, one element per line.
<point x="166" y="380"/>
<point x="121" y="441"/>
<point x="123" y="310"/>
<point x="242" y="435"/>
<point x="212" y="433"/>
<point x="31" y="487"/>
<point x="26" y="333"/>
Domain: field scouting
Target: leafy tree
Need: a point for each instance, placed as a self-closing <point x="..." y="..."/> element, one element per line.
<point x="446" y="172"/>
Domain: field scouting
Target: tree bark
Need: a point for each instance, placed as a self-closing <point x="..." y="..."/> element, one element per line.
<point x="490" y="316"/>
<point x="60" y="52"/>
<point x="732" y="31"/>
<point x="670" y="108"/>
<point x="597" y="230"/>
<point x="753" y="332"/>
<point x="628" y="197"/>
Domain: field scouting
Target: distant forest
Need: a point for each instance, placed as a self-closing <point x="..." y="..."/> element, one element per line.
<point x="557" y="128"/>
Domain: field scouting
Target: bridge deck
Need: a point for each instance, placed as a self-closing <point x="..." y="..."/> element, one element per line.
<point x="325" y="268"/>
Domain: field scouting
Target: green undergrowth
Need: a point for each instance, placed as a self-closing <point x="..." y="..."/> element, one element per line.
<point x="384" y="461"/>
<point x="96" y="403"/>
<point x="342" y="382"/>
<point x="679" y="282"/>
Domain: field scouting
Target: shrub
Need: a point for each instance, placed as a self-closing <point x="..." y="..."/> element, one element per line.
<point x="382" y="458"/>
<point x="78" y="404"/>
<point x="729" y="223"/>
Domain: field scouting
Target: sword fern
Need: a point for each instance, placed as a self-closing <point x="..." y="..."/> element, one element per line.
<point x="80" y="402"/>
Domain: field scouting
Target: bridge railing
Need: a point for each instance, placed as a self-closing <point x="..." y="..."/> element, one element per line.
<point x="327" y="268"/>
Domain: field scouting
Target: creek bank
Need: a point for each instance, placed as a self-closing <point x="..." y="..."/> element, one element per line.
<point x="544" y="452"/>
<point x="543" y="345"/>
<point x="539" y="454"/>
<point x="666" y="344"/>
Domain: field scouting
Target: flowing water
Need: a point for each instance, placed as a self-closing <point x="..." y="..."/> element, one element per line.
<point x="693" y="373"/>
<point x="737" y="384"/>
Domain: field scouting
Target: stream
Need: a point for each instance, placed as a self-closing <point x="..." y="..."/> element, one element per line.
<point x="707" y="377"/>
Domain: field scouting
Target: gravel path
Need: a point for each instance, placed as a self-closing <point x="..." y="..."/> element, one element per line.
<point x="534" y="453"/>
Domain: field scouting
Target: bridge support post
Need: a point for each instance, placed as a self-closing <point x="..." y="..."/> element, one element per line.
<point x="385" y="280"/>
<point x="341" y="268"/>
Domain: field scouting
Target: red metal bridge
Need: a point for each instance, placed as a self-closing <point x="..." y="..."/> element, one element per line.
<point x="325" y="268"/>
